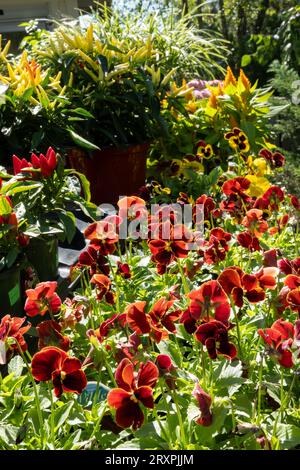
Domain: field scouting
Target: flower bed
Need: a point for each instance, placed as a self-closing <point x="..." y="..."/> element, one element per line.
<point x="184" y="330"/>
<point x="189" y="341"/>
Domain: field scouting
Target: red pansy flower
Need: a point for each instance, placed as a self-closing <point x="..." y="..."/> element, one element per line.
<point x="132" y="207"/>
<point x="46" y="163"/>
<point x="217" y="246"/>
<point x="255" y="223"/>
<point x="237" y="187"/>
<point x="106" y="326"/>
<point x="123" y="270"/>
<point x="103" y="284"/>
<point x="158" y="322"/>
<point x="270" y="258"/>
<point x="276" y="159"/>
<point x="210" y="299"/>
<point x="246" y="240"/>
<point x="94" y="259"/>
<point x="205" y="204"/>
<point x="42" y="299"/>
<point x="103" y="236"/>
<point x="287" y="266"/>
<point x="214" y="336"/>
<point x="133" y="389"/>
<point x="274" y="195"/>
<point x="295" y="202"/>
<point x="11" y="327"/>
<point x="49" y="333"/>
<point x="54" y="364"/>
<point x="279" y="339"/>
<point x="289" y="296"/>
<point x="162" y="320"/>
<point x="237" y="284"/>
<point x="204" y="402"/>
<point x="165" y="251"/>
<point x="166" y="370"/>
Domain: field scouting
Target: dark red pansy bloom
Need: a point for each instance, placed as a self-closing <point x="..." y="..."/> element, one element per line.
<point x="42" y="299"/>
<point x="289" y="296"/>
<point x="209" y="300"/>
<point x="54" y="364"/>
<point x="103" y="284"/>
<point x="237" y="284"/>
<point x="280" y="338"/>
<point x="11" y="327"/>
<point x="46" y="163"/>
<point x="95" y="260"/>
<point x="158" y="322"/>
<point x="214" y="336"/>
<point x="274" y="195"/>
<point x="237" y="198"/>
<point x="246" y="240"/>
<point x="137" y="318"/>
<point x="106" y="326"/>
<point x="217" y="246"/>
<point x="165" y="251"/>
<point x="128" y="349"/>
<point x="295" y="202"/>
<point x="166" y="370"/>
<point x="204" y="402"/>
<point x="255" y="223"/>
<point x="162" y="320"/>
<point x="206" y="204"/>
<point x="275" y="159"/>
<point x="49" y="333"/>
<point x="287" y="266"/>
<point x="237" y="186"/>
<point x="103" y="236"/>
<point x="293" y="299"/>
<point x="133" y="390"/>
<point x="19" y="164"/>
<point x="123" y="270"/>
<point x="270" y="258"/>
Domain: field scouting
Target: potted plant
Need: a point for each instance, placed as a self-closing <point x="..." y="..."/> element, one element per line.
<point x="116" y="79"/>
<point x="46" y="195"/>
<point x="30" y="106"/>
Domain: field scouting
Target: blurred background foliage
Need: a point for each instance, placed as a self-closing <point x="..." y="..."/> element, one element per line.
<point x="264" y="38"/>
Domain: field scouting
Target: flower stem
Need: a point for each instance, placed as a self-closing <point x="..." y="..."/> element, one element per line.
<point x="183" y="278"/>
<point x="52" y="428"/>
<point x="36" y="395"/>
<point x="238" y="331"/>
<point x="260" y="371"/>
<point x="181" y="425"/>
<point x="164" y="432"/>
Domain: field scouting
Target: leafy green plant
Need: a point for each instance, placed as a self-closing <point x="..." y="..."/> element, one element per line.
<point x="45" y="194"/>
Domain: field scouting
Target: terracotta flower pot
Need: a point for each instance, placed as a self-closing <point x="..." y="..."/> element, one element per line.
<point x="112" y="172"/>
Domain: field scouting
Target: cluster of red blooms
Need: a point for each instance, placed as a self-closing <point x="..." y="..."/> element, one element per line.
<point x="45" y="163"/>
